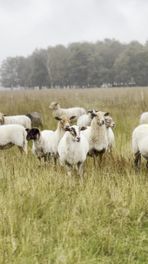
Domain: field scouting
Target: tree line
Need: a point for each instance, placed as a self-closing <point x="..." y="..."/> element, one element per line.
<point x="104" y="63"/>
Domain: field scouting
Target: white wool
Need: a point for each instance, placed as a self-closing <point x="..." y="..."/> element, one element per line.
<point x="140" y="140"/>
<point x="84" y="120"/>
<point x="49" y="139"/>
<point x="48" y="142"/>
<point x="69" y="112"/>
<point x="111" y="138"/>
<point x="42" y="145"/>
<point x="13" y="135"/>
<point x="144" y="118"/>
<point x="18" y="119"/>
<point x="75" y="111"/>
<point x="97" y="134"/>
<point x="73" y="152"/>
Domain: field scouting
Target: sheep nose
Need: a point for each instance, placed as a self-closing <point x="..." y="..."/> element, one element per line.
<point x="66" y="127"/>
<point x="78" y="139"/>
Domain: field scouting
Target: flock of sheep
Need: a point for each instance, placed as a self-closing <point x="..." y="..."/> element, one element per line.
<point x="70" y="144"/>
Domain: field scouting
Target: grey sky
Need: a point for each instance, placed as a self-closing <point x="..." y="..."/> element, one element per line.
<point x="29" y="24"/>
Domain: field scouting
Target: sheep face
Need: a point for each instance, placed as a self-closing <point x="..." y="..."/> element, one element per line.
<point x="99" y="118"/>
<point x="33" y="134"/>
<point x="109" y="122"/>
<point x="75" y="132"/>
<point x="64" y="121"/>
<point x="54" y="106"/>
<point x="1" y="118"/>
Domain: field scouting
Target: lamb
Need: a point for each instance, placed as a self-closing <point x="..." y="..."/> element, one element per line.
<point x="109" y="123"/>
<point x="144" y="118"/>
<point x="11" y="135"/>
<point x="69" y="112"/>
<point x="140" y="144"/>
<point x="16" y="119"/>
<point x="41" y="142"/>
<point x="36" y="119"/>
<point x="85" y="120"/>
<point x="97" y="136"/>
<point x="73" y="149"/>
<point x="45" y="143"/>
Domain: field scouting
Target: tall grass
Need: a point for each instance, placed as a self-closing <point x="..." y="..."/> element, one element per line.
<point x="47" y="217"/>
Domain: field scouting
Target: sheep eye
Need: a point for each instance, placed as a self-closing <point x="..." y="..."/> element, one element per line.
<point x="73" y="131"/>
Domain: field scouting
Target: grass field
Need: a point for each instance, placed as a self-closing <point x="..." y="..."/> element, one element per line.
<point x="47" y="218"/>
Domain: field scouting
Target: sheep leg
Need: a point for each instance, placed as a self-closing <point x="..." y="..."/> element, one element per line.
<point x="137" y="160"/>
<point x="68" y="168"/>
<point x="80" y="169"/>
<point x="25" y="147"/>
<point x="101" y="153"/>
<point x="46" y="159"/>
<point x="55" y="160"/>
<point x="21" y="149"/>
<point x="41" y="161"/>
<point x="95" y="160"/>
<point x="101" y="156"/>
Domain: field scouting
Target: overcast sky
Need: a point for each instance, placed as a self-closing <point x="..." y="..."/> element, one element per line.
<point x="29" y="24"/>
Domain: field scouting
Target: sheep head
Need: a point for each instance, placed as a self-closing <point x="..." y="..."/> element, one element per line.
<point x="64" y="121"/>
<point x="54" y="106"/>
<point x="33" y="134"/>
<point x="109" y="121"/>
<point x="92" y="113"/>
<point x="75" y="132"/>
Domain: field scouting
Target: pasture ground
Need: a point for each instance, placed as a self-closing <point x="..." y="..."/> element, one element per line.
<point x="47" y="218"/>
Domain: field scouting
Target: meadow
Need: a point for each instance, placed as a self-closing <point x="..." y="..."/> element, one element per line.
<point x="48" y="218"/>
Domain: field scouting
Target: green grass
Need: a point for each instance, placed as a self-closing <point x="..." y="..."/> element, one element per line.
<point x="48" y="218"/>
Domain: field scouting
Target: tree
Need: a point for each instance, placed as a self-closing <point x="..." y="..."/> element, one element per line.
<point x="9" y="72"/>
<point x="58" y="65"/>
<point x="38" y="71"/>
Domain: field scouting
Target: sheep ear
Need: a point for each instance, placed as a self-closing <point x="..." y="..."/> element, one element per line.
<point x="93" y="114"/>
<point x="106" y="114"/>
<point x="58" y="118"/>
<point x="83" y="128"/>
<point x="27" y="130"/>
<point x="90" y="111"/>
<point x="72" y="117"/>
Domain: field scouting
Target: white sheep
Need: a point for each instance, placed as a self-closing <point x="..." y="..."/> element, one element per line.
<point x="16" y="119"/>
<point x="85" y="120"/>
<point x="41" y="142"/>
<point x="73" y="149"/>
<point x="45" y="143"/>
<point x="109" y="123"/>
<point x="144" y="118"/>
<point x="11" y="135"/>
<point x="140" y="144"/>
<point x="69" y="112"/>
<point x="97" y="136"/>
